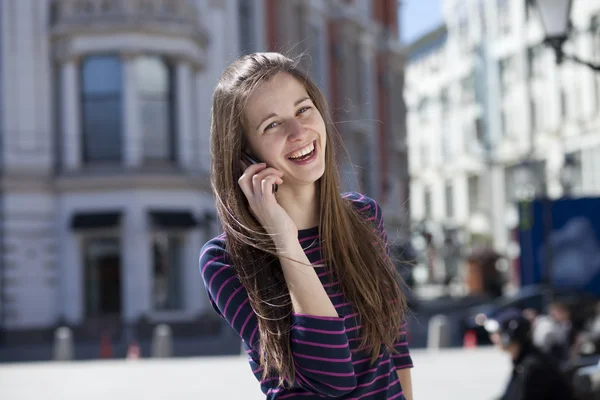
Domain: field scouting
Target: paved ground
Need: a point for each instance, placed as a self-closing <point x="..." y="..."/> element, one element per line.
<point x="476" y="374"/>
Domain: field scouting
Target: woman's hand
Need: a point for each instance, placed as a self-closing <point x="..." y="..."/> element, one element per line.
<point x="257" y="184"/>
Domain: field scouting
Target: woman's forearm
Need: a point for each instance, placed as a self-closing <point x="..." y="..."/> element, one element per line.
<point x="406" y="382"/>
<point x="306" y="290"/>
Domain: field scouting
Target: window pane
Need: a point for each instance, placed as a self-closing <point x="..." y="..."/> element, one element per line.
<point x="154" y="83"/>
<point x="102" y="129"/>
<point x="155" y="125"/>
<point x="101" y="108"/>
<point x="101" y="74"/>
<point x="246" y="26"/>
<point x="167" y="269"/>
<point x="152" y="76"/>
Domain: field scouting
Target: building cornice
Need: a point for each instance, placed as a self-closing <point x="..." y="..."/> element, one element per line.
<point x="84" y="182"/>
<point x="127" y="26"/>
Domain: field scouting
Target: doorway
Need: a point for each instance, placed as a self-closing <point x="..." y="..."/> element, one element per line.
<point x="102" y="276"/>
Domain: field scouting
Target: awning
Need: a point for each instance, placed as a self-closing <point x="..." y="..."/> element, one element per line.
<point x="173" y="219"/>
<point x="96" y="220"/>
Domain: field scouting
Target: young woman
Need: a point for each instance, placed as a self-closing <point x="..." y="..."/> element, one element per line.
<point x="301" y="272"/>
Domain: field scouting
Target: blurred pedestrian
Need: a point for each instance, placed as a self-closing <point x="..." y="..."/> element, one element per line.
<point x="535" y="375"/>
<point x="301" y="273"/>
<point x="483" y="277"/>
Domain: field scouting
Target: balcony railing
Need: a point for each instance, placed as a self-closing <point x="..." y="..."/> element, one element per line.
<point x="172" y="16"/>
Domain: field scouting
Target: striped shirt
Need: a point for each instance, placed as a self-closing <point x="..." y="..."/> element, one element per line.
<point x="325" y="350"/>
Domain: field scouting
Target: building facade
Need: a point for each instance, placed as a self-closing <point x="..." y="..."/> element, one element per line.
<point x="104" y="153"/>
<point x="484" y="94"/>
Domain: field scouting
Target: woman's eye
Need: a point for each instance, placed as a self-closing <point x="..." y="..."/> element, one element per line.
<point x="271" y="126"/>
<point x="303" y="110"/>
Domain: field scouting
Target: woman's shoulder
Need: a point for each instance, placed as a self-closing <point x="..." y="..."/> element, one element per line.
<point x="362" y="203"/>
<point x="213" y="252"/>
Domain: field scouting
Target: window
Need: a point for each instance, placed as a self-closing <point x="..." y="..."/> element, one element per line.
<point x="154" y="84"/>
<point x="535" y="65"/>
<point x="101" y="93"/>
<point x="449" y="194"/>
<point x="533" y="114"/>
<point x="247" y="37"/>
<point x="445" y="101"/>
<point x="446" y="141"/>
<point x="503" y="10"/>
<point x="463" y="26"/>
<point x="428" y="204"/>
<point x="564" y="110"/>
<point x="315" y="66"/>
<point x="167" y="269"/>
<point x="423" y="111"/>
<point x="480" y="130"/>
<point x="507" y="73"/>
<point x="473" y="188"/>
<point x="467" y="88"/>
<point x="503" y="123"/>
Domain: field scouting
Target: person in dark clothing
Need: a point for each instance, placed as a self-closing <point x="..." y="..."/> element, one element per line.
<point x="535" y="376"/>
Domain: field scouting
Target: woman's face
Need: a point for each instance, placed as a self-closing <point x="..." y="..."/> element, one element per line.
<point x="286" y="131"/>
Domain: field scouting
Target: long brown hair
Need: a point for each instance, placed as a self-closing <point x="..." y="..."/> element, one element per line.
<point x="353" y="251"/>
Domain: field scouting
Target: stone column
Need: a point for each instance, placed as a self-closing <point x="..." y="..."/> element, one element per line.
<point x="132" y="134"/>
<point x="71" y="111"/>
<point x="136" y="264"/>
<point x="202" y="112"/>
<point x="185" y="144"/>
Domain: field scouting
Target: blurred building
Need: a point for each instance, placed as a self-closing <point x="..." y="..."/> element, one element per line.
<point x="484" y="94"/>
<point x="104" y="159"/>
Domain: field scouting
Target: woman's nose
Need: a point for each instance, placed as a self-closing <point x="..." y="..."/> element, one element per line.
<point x="295" y="130"/>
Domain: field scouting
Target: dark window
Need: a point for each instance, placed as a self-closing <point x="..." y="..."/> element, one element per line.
<point x="534" y="117"/>
<point x="246" y="26"/>
<point x="167" y="288"/>
<point x="428" y="205"/>
<point x="449" y="200"/>
<point x="102" y="275"/>
<point x="155" y="80"/>
<point x="102" y="125"/>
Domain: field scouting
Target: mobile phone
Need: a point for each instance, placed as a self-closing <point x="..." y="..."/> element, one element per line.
<point x="251" y="160"/>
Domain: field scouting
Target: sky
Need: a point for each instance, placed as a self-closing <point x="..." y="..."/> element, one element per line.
<point x="418" y="17"/>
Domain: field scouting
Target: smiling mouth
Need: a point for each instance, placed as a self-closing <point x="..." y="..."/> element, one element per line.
<point x="305" y="153"/>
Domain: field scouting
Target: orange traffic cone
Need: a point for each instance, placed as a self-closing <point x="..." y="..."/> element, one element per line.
<point x="134" y="351"/>
<point x="105" y="346"/>
<point x="470" y="339"/>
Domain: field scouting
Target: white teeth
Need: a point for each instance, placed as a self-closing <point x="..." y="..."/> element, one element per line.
<point x="307" y="150"/>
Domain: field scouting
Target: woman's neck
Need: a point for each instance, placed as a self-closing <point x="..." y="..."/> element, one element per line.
<point x="302" y="205"/>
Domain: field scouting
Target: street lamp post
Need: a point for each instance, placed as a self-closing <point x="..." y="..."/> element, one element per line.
<point x="555" y="16"/>
<point x="567" y="175"/>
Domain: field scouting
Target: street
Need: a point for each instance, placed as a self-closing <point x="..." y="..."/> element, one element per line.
<point x="474" y="374"/>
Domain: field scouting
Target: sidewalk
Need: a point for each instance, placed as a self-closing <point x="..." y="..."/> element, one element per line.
<point x="469" y="375"/>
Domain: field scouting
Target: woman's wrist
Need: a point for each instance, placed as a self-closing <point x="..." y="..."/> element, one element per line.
<point x="287" y="244"/>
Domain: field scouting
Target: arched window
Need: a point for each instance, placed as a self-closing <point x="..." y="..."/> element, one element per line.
<point x="101" y="92"/>
<point x="154" y="81"/>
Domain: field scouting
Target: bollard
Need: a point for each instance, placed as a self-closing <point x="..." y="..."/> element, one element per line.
<point x="162" y="345"/>
<point x="63" y="344"/>
<point x="439" y="332"/>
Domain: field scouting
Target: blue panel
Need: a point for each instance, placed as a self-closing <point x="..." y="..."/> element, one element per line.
<point x="572" y="228"/>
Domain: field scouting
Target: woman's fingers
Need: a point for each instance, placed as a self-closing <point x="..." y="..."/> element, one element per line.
<point x="252" y="178"/>
<point x="267" y="183"/>
<point x="245" y="180"/>
<point x="259" y="177"/>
